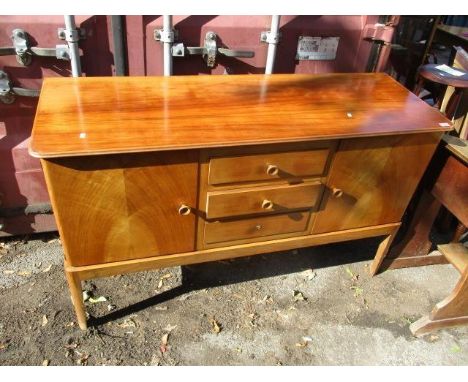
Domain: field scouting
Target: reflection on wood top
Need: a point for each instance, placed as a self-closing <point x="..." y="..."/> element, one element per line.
<point x="100" y="115"/>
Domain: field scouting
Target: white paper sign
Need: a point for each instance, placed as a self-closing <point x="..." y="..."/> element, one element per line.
<point x="449" y="70"/>
<point x="317" y="48"/>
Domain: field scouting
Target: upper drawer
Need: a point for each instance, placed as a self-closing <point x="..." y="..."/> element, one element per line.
<point x="267" y="166"/>
<point x="262" y="200"/>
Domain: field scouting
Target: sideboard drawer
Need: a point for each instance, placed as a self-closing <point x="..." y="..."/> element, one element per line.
<point x="268" y="166"/>
<point x="262" y="226"/>
<point x="257" y="200"/>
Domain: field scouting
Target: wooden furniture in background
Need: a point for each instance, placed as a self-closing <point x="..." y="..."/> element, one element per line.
<point x="452" y="35"/>
<point x="460" y="117"/>
<point x="451" y="191"/>
<point x="163" y="171"/>
<point x="453" y="310"/>
<point x="411" y="45"/>
<point x="413" y="247"/>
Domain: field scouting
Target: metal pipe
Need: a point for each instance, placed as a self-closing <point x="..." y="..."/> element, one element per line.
<point x="118" y="39"/>
<point x="72" y="37"/>
<point x="168" y="39"/>
<point x="376" y="49"/>
<point x="272" y="40"/>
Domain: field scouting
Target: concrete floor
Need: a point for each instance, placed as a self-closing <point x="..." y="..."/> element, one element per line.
<point x="314" y="306"/>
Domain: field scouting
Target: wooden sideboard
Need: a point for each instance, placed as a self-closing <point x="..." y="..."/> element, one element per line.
<point x="151" y="172"/>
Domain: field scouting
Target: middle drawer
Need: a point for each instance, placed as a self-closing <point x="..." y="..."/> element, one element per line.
<point x="260" y="200"/>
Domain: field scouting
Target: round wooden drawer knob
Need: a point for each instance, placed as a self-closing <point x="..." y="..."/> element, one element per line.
<point x="337" y="192"/>
<point x="184" y="210"/>
<point x="272" y="170"/>
<point x="267" y="204"/>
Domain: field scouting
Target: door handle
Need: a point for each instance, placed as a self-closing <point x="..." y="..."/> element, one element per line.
<point x="8" y="92"/>
<point x="23" y="51"/>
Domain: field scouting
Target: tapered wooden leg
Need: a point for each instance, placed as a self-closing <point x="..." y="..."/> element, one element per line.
<point x="452" y="311"/>
<point x="74" y="283"/>
<point x="419" y="86"/>
<point x="459" y="231"/>
<point x="382" y="251"/>
<point x="426" y="325"/>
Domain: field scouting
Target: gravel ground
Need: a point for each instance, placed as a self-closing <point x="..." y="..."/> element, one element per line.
<point x="314" y="306"/>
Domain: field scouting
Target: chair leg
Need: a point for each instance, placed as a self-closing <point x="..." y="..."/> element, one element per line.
<point x="459" y="231"/>
<point x="74" y="283"/>
<point x="426" y="325"/>
<point x="452" y="311"/>
<point x="419" y="86"/>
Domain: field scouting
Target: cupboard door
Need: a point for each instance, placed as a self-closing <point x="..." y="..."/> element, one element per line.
<point x="121" y="207"/>
<point x="372" y="180"/>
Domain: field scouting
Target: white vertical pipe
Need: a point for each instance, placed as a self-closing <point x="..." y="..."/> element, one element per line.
<point x="167" y="29"/>
<point x="272" y="42"/>
<point x="72" y="37"/>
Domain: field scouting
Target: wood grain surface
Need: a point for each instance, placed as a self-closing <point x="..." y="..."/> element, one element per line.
<point x="261" y="228"/>
<point x="272" y="165"/>
<point x="101" y="115"/>
<point x="213" y="254"/>
<point x="121" y="207"/>
<point x="451" y="188"/>
<point x="249" y="201"/>
<point x="377" y="177"/>
<point x="456" y="254"/>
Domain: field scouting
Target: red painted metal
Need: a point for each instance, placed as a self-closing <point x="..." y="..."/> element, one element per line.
<point x="21" y="178"/>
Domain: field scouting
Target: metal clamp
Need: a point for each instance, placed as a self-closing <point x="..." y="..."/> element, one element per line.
<point x="8" y="92"/>
<point x="24" y="52"/>
<point x="209" y="50"/>
<point x="73" y="35"/>
<point x="20" y="43"/>
<point x="5" y="89"/>
<point x="164" y="36"/>
<point x="270" y="37"/>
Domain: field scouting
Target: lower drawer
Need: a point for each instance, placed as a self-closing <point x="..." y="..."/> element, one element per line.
<point x="263" y="226"/>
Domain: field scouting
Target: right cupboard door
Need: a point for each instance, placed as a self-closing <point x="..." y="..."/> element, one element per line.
<point x="372" y="180"/>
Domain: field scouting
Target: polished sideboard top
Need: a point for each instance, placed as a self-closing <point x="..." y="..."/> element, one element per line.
<point x="102" y="115"/>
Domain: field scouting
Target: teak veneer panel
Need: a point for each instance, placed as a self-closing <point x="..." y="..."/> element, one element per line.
<point x="377" y="176"/>
<point x="99" y="115"/>
<point x="121" y="207"/>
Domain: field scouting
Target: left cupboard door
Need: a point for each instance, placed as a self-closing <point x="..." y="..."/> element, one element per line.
<point x="124" y="206"/>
